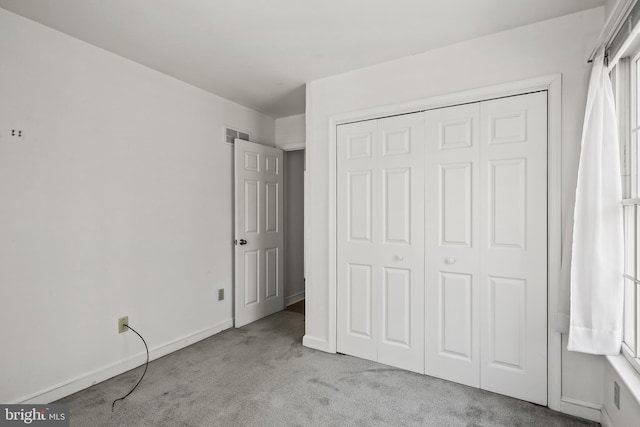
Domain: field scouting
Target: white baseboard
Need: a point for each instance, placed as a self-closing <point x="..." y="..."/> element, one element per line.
<point x="315" y="343"/>
<point x="103" y="373"/>
<point x="578" y="408"/>
<point x="605" y="421"/>
<point x="292" y="299"/>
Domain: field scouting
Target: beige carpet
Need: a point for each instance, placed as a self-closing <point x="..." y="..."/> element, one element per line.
<point x="261" y="375"/>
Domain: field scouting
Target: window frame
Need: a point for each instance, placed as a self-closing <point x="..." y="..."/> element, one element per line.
<point x="626" y="75"/>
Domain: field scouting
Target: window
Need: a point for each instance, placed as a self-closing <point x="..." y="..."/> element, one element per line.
<point x="626" y="77"/>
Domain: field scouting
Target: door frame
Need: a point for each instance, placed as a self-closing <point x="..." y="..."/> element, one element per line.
<point x="553" y="85"/>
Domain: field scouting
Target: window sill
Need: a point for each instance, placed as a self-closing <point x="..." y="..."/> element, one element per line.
<point x="627" y="374"/>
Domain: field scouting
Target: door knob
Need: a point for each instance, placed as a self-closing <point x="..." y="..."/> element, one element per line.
<point x="398" y="257"/>
<point x="243" y="242"/>
<point x="450" y="260"/>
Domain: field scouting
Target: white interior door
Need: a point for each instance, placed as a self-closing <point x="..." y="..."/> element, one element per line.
<point x="453" y="244"/>
<point x="513" y="232"/>
<point x="258" y="288"/>
<point x="381" y="241"/>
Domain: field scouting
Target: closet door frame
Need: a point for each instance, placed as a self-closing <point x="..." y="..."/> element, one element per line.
<point x="553" y="85"/>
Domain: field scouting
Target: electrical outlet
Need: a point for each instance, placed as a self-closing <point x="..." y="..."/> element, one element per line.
<point x="616" y="394"/>
<point x="11" y="134"/>
<point x="16" y="134"/>
<point x="121" y="324"/>
<point x="220" y="294"/>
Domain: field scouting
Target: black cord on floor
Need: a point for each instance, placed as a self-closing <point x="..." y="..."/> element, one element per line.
<point x="145" y="368"/>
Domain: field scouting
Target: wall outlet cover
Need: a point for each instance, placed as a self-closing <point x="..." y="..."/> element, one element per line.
<point x="121" y="322"/>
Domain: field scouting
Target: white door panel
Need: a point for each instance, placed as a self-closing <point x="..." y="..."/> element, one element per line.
<point x="358" y="280"/>
<point x="452" y="244"/>
<point x="258" y="206"/>
<point x="456" y="316"/>
<point x="514" y="236"/>
<point x="401" y="249"/>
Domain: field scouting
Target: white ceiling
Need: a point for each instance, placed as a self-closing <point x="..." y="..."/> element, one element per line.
<point x="260" y="53"/>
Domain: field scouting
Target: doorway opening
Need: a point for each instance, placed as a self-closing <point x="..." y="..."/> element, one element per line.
<point x="294" y="184"/>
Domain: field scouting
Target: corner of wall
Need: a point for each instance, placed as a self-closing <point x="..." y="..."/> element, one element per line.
<point x="621" y="375"/>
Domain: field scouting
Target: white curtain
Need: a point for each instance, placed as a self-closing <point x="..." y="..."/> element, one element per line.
<point x="595" y="324"/>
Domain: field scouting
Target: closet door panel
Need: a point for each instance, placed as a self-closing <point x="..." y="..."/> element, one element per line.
<point x="452" y="244"/>
<point x="514" y="239"/>
<point x="401" y="249"/>
<point x="357" y="240"/>
<point x="455" y="315"/>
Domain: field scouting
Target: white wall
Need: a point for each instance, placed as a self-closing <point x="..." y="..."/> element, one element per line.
<point x="609" y="6"/>
<point x="116" y="202"/>
<point x="560" y="45"/>
<point x="290" y="131"/>
<point x="294" y="226"/>
<point x="618" y="370"/>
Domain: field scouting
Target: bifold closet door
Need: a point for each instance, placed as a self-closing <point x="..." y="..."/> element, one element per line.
<point x="453" y="243"/>
<point x="486" y="245"/>
<point x="442" y="243"/>
<point x="513" y="233"/>
<point x="357" y="240"/>
<point x="380" y="300"/>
